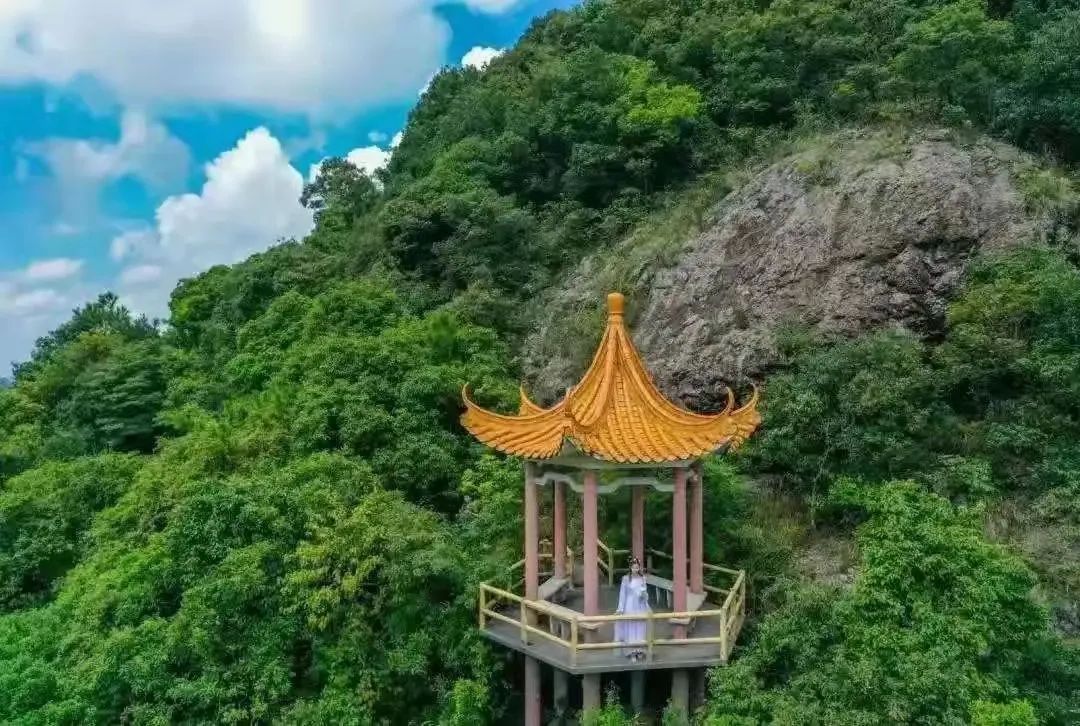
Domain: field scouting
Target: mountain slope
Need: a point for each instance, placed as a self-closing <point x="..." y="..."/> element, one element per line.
<point x="852" y="232"/>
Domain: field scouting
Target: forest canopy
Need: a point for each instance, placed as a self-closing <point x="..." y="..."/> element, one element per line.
<point x="263" y="509"/>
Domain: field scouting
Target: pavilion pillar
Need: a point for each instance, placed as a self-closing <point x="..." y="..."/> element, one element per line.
<point x="680" y="690"/>
<point x="680" y="678"/>
<point x="532" y="534"/>
<point x="637" y="523"/>
<point x="561" y="695"/>
<point x="533" y="708"/>
<point x="697" y="536"/>
<point x="589" y="546"/>
<point x="698" y="687"/>
<point x="678" y="547"/>
<point x="590" y="692"/>
<point x="590" y="682"/>
<point x="558" y="535"/>
<point x="637" y="691"/>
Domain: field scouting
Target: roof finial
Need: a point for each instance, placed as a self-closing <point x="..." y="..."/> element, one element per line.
<point x="615" y="304"/>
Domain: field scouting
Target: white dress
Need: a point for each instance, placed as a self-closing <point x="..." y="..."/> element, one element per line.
<point x="633" y="598"/>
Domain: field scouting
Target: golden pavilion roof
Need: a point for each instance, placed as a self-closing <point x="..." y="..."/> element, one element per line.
<point x="615" y="413"/>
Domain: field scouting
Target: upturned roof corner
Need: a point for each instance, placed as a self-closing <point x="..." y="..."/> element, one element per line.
<point x="615" y="413"/>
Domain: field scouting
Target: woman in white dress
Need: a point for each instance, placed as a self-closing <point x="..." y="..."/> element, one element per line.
<point x="633" y="598"/>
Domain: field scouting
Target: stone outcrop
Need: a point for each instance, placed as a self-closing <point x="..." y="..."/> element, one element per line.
<point x="860" y="231"/>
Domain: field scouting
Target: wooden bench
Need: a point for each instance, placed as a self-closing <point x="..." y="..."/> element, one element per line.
<point x="694" y="601"/>
<point x="660" y="589"/>
<point x="559" y="619"/>
<point x="553" y="589"/>
<point x="664" y="590"/>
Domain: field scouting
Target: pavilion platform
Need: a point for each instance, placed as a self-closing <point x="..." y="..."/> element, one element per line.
<point x="560" y="634"/>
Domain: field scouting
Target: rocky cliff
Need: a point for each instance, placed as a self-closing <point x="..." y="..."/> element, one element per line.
<point x="850" y="232"/>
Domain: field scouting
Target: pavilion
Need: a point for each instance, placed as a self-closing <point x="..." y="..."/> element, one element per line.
<point x="613" y="429"/>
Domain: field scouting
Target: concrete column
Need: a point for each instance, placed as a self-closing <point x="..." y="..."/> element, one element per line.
<point x="533" y="708"/>
<point x="532" y="534"/>
<point x="637" y="691"/>
<point x="680" y="678"/>
<point x="680" y="690"/>
<point x="698" y="688"/>
<point x="697" y="533"/>
<point x="678" y="547"/>
<point x="561" y="695"/>
<point x="637" y="523"/>
<point x="590" y="691"/>
<point x="558" y="525"/>
<point x="589" y="548"/>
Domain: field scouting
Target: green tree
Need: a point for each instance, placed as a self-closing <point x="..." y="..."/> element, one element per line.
<point x="937" y="619"/>
<point x="958" y="55"/>
<point x="44" y="516"/>
<point x="1041" y="107"/>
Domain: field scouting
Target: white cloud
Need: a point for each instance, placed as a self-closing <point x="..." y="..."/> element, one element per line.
<point x="378" y="137"/>
<point x="145" y="150"/>
<point x="297" y="55"/>
<point x="28" y="310"/>
<point x="479" y="57"/>
<point x="427" y="84"/>
<point x="490" y="6"/>
<point x="64" y="229"/>
<point x="141" y="274"/>
<point x="250" y="201"/>
<point x="60" y="268"/>
<point x="367" y="159"/>
<point x="22" y="169"/>
<point x="35" y="301"/>
<point x="315" y="140"/>
<point x="130" y="242"/>
<point x="396" y="141"/>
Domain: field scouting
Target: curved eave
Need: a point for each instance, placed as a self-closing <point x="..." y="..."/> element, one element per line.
<point x="616" y="413"/>
<point x="542" y="435"/>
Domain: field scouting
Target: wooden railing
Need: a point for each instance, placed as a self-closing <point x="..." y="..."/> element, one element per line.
<point x="605" y="558"/>
<point x="544" y="555"/>
<point x="577" y="632"/>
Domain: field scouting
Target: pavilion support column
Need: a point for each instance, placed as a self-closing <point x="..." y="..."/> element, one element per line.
<point x="533" y="708"/>
<point x="698" y="688"/>
<point x="558" y="536"/>
<point x="532" y="533"/>
<point x="637" y="691"/>
<point x="589" y="547"/>
<point x="637" y="523"/>
<point x="678" y="548"/>
<point x="680" y="678"/>
<point x="561" y="695"/>
<point x="697" y="535"/>
<point x="590" y="691"/>
<point x="590" y="682"/>
<point x="680" y="690"/>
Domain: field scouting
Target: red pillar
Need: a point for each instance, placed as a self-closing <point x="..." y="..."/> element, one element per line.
<point x="697" y="534"/>
<point x="558" y="536"/>
<point x="532" y="534"/>
<point x="637" y="523"/>
<point x="589" y="549"/>
<point x="533" y="707"/>
<point x="678" y="546"/>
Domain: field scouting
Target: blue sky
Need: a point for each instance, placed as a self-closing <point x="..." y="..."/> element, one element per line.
<point x="141" y="141"/>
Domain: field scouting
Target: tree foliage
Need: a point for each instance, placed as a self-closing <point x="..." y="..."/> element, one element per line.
<point x="938" y="619"/>
<point x="265" y="511"/>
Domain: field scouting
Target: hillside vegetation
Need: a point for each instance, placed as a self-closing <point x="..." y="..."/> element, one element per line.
<point x="263" y="510"/>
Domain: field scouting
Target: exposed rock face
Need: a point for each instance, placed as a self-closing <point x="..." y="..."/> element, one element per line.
<point x="861" y="235"/>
